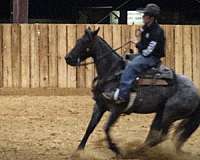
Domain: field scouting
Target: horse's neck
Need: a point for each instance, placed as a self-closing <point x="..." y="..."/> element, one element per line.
<point x="108" y="65"/>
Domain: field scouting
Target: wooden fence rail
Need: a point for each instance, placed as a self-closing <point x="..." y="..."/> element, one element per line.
<point x="32" y="55"/>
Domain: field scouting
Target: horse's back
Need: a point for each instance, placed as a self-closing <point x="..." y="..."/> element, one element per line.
<point x="187" y="92"/>
<point x="182" y="93"/>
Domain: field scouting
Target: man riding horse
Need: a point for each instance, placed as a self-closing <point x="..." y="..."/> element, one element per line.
<point x="151" y="48"/>
<point x="178" y="100"/>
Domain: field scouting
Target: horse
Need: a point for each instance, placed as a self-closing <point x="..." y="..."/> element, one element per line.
<point x="178" y="101"/>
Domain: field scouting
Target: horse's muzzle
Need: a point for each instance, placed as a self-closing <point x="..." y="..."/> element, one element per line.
<point x="69" y="60"/>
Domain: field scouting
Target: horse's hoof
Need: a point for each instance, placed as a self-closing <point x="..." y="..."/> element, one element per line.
<point x="119" y="156"/>
<point x="181" y="152"/>
<point x="80" y="148"/>
<point x="141" y="148"/>
<point x="115" y="149"/>
<point x="76" y="154"/>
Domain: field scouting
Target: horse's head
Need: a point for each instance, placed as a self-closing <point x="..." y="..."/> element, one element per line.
<point x="83" y="48"/>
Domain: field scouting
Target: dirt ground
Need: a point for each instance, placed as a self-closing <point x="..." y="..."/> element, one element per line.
<point x="51" y="127"/>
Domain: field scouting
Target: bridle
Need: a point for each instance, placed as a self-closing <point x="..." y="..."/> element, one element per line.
<point x="88" y="49"/>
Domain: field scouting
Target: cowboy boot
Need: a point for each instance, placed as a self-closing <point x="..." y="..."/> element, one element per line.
<point x="114" y="96"/>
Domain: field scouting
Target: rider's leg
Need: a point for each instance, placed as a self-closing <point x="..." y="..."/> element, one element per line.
<point x="138" y="65"/>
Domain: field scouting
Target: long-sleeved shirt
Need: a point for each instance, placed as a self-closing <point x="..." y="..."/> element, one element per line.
<point x="152" y="41"/>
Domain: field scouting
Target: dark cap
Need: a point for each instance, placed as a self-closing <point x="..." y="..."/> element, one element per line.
<point x="151" y="9"/>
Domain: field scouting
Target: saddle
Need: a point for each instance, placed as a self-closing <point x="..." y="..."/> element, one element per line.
<point x="158" y="76"/>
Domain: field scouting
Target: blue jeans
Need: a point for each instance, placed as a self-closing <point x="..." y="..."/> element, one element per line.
<point x="135" y="67"/>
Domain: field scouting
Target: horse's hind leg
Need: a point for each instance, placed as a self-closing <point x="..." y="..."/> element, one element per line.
<point x="158" y="131"/>
<point x="185" y="130"/>
<point x="155" y="132"/>
<point x="96" y="117"/>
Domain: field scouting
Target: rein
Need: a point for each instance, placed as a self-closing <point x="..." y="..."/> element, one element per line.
<point x="100" y="58"/>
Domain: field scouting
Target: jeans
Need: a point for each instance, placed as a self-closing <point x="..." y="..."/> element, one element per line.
<point x="135" y="67"/>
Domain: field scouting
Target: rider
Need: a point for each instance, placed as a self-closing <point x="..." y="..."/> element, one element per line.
<point x="151" y="48"/>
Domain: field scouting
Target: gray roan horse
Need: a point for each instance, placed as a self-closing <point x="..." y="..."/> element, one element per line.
<point x="179" y="101"/>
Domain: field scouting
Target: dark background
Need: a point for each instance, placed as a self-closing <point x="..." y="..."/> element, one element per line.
<point x="67" y="11"/>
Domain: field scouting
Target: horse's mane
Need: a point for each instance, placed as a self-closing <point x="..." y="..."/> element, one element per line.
<point x="113" y="51"/>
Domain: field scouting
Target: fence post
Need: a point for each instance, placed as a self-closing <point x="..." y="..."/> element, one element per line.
<point x="20" y="11"/>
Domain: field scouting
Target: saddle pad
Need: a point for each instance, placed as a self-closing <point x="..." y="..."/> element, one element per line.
<point x="161" y="72"/>
<point x="154" y="82"/>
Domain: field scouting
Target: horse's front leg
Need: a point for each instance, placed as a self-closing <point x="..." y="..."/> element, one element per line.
<point x="96" y="117"/>
<point x="115" y="113"/>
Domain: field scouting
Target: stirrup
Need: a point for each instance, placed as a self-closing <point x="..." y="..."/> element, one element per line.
<point x="108" y="95"/>
<point x="113" y="95"/>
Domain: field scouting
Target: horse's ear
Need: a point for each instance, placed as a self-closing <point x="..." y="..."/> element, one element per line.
<point x="89" y="28"/>
<point x="96" y="31"/>
<point x="88" y="32"/>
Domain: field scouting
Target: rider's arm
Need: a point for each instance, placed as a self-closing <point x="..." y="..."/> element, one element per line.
<point x="139" y="36"/>
<point x="154" y="45"/>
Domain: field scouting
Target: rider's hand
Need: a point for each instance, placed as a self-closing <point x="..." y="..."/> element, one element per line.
<point x="135" y="40"/>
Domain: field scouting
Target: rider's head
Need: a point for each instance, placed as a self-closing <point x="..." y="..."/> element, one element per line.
<point x="151" y="12"/>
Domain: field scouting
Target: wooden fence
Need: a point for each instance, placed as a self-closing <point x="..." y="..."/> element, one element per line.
<point x="32" y="55"/>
